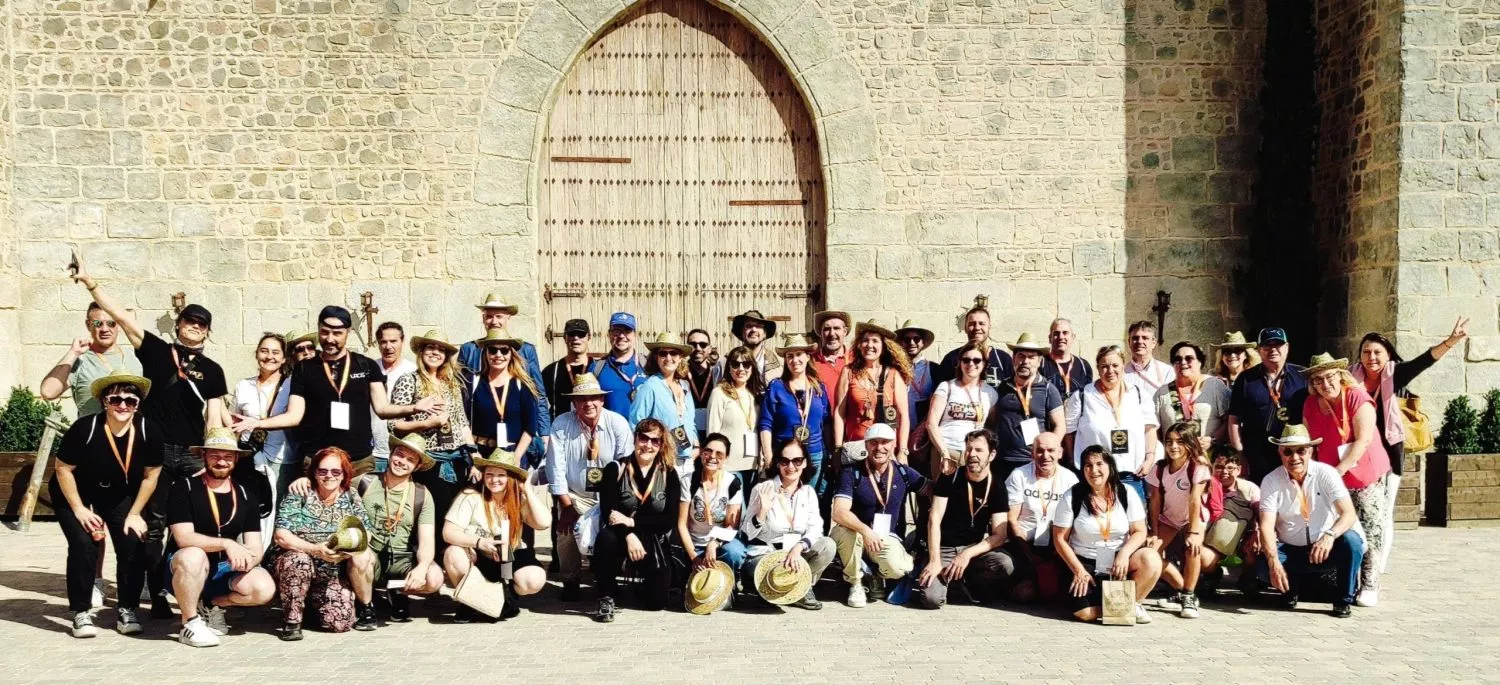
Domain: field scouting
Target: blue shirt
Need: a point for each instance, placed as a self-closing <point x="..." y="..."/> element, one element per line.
<point x="520" y="411"/>
<point x="619" y="380"/>
<point x="472" y="358"/>
<point x="1250" y="403"/>
<point x="856" y="485"/>
<point x="654" y="400"/>
<point x="781" y="413"/>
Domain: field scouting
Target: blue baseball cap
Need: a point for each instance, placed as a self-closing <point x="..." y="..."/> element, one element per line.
<point x="622" y="319"/>
<point x="1271" y="336"/>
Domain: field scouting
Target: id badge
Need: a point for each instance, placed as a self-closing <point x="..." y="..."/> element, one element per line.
<point x="338" y="415"/>
<point x="750" y="444"/>
<point x="1104" y="560"/>
<point x="1343" y="449"/>
<point x="1119" y="441"/>
<point x="502" y="436"/>
<point x="1030" y="428"/>
<point x="681" y="436"/>
<point x="397" y="584"/>
<point x="592" y="477"/>
<point x="507" y="570"/>
<point x="882" y="524"/>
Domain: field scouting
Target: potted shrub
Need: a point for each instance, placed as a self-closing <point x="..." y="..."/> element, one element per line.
<point x="1463" y="472"/>
<point x="22" y="422"/>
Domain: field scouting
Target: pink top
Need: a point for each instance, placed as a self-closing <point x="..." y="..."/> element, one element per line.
<point x="1373" y="464"/>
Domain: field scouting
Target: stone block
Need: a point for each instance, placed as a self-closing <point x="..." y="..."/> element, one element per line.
<point x="522" y="82"/>
<point x="551" y="35"/>
<point x="1478" y="246"/>
<point x="143" y="185"/>
<point x="849" y="137"/>
<point x="1430" y="103"/>
<point x="1423" y="279"/>
<point x="806" y="38"/>
<point x="223" y="260"/>
<point x="765" y="15"/>
<point x="1181" y="187"/>
<point x="1428" y="246"/>
<point x="192" y="220"/>
<point x="501" y="181"/>
<point x="48" y="327"/>
<point x="40" y="219"/>
<point x="1476" y="103"/>
<point x="859" y="185"/>
<point x="1463" y="212"/>
<point x="941" y="228"/>
<point x="996" y="227"/>
<point x="102" y="183"/>
<point x="81" y="146"/>
<point x="130" y="258"/>
<point x="853" y="227"/>
<point x="593" y="14"/>
<point x="1482" y="349"/>
<point x="32" y="146"/>
<point x="127" y="148"/>
<point x="851" y="262"/>
<point x="45" y="181"/>
<point x="1093" y="257"/>
<point x="1193" y="153"/>
<point x="835" y="86"/>
<point x="474" y="259"/>
<point x="896" y="262"/>
<point x="175" y="259"/>
<point x="137" y="220"/>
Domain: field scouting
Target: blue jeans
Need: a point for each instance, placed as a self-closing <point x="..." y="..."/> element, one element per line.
<point x="1136" y="482"/>
<point x="815" y="462"/>
<point x="1347" y="555"/>
<point x="449" y="464"/>
<point x="732" y="553"/>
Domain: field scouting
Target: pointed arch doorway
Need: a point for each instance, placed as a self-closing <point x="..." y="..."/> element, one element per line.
<point x="680" y="180"/>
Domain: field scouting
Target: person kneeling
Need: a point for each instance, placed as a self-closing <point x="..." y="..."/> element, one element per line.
<point x="493" y="531"/>
<point x="311" y="574"/>
<point x="206" y="515"/>
<point x="403" y="539"/>
<point x="966" y="529"/>
<point x="709" y="516"/>
<point x="1099" y="532"/>
<point x="868" y="512"/>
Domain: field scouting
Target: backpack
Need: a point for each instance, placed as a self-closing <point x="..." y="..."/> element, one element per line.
<point x="1213" y="495"/>
<point x="363" y="484"/>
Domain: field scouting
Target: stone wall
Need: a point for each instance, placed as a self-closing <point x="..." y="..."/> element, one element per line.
<point x="272" y="156"/>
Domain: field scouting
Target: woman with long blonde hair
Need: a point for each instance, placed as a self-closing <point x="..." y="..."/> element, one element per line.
<point x="872" y="389"/>
<point x="493" y="526"/>
<point x="503" y="399"/>
<point x="446" y="429"/>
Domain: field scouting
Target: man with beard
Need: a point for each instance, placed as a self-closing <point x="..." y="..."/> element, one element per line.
<point x="404" y="539"/>
<point x="557" y="378"/>
<point x="390" y="339"/>
<point x="703" y="375"/>
<point x="753" y="330"/>
<point x="966" y="529"/>
<point x="998" y="364"/>
<point x="1029" y="406"/>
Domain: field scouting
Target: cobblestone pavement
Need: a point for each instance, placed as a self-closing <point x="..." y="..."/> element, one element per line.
<point x="1437" y="622"/>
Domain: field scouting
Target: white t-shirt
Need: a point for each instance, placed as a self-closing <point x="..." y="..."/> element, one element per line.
<point x="964" y="411"/>
<point x="250" y="400"/>
<point x="1322" y="486"/>
<point x="1086" y="539"/>
<point x="1174" y="505"/>
<point x="710" y="507"/>
<point x="1090" y="417"/>
<point x="1038" y="499"/>
<point x="380" y="433"/>
<point x="468" y="513"/>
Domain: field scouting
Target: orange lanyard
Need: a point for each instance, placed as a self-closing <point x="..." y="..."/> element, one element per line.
<point x="982" y="503"/>
<point x="1067" y="375"/>
<point x="213" y="503"/>
<point x="338" y="388"/>
<point x="1047" y="501"/>
<point x="1024" y="394"/>
<point x="649" y="486"/>
<point x="1304" y="501"/>
<point x="875" y="484"/>
<point x="129" y="449"/>
<point x="1107" y="522"/>
<point x="393" y="516"/>
<point x="804" y="408"/>
<point x="1116" y="405"/>
<point x="1187" y="402"/>
<point x="499" y="400"/>
<point x="1273" y="386"/>
<point x="594" y="445"/>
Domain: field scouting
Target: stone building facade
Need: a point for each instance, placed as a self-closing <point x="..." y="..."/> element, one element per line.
<point x="1065" y="157"/>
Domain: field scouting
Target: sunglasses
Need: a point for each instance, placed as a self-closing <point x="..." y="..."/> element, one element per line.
<point x="799" y="461"/>
<point x="1184" y="360"/>
<point x="329" y="473"/>
<point x="500" y="350"/>
<point x="699" y="345"/>
<point x="912" y="340"/>
<point x="575" y="336"/>
<point x="742" y="365"/>
<point x="714" y="456"/>
<point x="304" y="347"/>
<point x="669" y="353"/>
<point x="126" y="401"/>
<point x="973" y="360"/>
<point x="649" y="439"/>
<point x="103" y="323"/>
<point x="193" y="321"/>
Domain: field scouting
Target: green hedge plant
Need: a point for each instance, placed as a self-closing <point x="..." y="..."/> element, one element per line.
<point x="1460" y="433"/>
<point x="1489" y="423"/>
<point x="23" y="420"/>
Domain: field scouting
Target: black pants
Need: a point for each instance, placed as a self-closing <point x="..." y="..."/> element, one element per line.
<point x="440" y="497"/>
<point x="177" y="463"/>
<point x="83" y="552"/>
<point x="655" y="569"/>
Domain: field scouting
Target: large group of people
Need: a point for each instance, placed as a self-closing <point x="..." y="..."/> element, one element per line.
<point x="340" y="485"/>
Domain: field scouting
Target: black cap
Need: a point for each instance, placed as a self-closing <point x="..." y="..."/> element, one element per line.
<point x="578" y="326"/>
<point x="334" y="311"/>
<point x="1271" y="336"/>
<point x="197" y="311"/>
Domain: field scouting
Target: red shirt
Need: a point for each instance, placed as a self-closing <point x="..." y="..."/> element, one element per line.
<point x="828" y="370"/>
<point x="1373" y="464"/>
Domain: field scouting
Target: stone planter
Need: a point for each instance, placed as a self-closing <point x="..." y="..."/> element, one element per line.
<point x="1463" y="490"/>
<point x="15" y="474"/>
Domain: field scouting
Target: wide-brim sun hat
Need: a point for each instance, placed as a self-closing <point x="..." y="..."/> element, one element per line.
<point x="911" y="327"/>
<point x="1234" y="340"/>
<point x="294" y="338"/>
<point x="416" y="443"/>
<point x="1028" y="343"/>
<point x="499" y="336"/>
<point x="665" y="341"/>
<point x="1324" y="362"/>
<point x="219" y="439"/>
<point x="708" y="589"/>
<point x="795" y="342"/>
<point x="586" y="385"/>
<point x="873" y="326"/>
<point x="432" y="337"/>
<point x="1294" y="435"/>
<point x="493" y="301"/>
<point x="103" y="383"/>
<point x="780" y="585"/>
<point x="737" y="326"/>
<point x="821" y="317"/>
<point x="505" y="459"/>
<point x="350" y="537"/>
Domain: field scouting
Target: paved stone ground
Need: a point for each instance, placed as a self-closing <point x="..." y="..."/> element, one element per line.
<point x="1437" y="622"/>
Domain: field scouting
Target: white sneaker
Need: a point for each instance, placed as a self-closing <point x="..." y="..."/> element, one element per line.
<point x="1189" y="606"/>
<point x="1141" y="617"/>
<point x="1367" y="598"/>
<point x="856" y="596"/>
<point x="83" y="625"/>
<point x="127" y="624"/>
<point x="96" y="599"/>
<point x="195" y="633"/>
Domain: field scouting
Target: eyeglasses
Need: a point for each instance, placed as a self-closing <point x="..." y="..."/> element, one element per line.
<point x="669" y="353"/>
<point x="1184" y="360"/>
<point x="973" y="360"/>
<point x="714" y="456"/>
<point x="741" y="365"/>
<point x="103" y="323"/>
<point x="126" y="401"/>
<point x="649" y="439"/>
<point x="329" y="473"/>
<point x="799" y="461"/>
<point x="912" y="340"/>
<point x="699" y="345"/>
<point x="499" y="350"/>
<point x="193" y="321"/>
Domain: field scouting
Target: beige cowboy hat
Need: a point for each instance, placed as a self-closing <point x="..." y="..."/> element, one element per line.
<point x="665" y="341"/>
<point x="432" y="337"/>
<point x="1294" y="434"/>
<point x="350" y="537"/>
<point x="586" y="385"/>
<point x="708" y="589"/>
<point x="493" y="301"/>
<point x="780" y="585"/>
<point x="416" y="443"/>
<point x="294" y="338"/>
<point x="1234" y="340"/>
<point x="820" y="317"/>
<point x="737" y="325"/>
<point x="795" y="342"/>
<point x="1028" y="343"/>
<point x="220" y="439"/>
<point x="1324" y="362"/>
<point x="103" y="383"/>
<point x="499" y="336"/>
<point x="504" y="459"/>
<point x="872" y="326"/>
<point x="912" y="327"/>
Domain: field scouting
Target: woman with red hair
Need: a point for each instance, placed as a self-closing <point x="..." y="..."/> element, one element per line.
<point x="337" y="586"/>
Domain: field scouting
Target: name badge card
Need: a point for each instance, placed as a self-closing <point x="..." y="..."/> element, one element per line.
<point x="1104" y="559"/>
<point x="751" y="444"/>
<point x="338" y="415"/>
<point x="721" y="534"/>
<point x="1030" y="428"/>
<point x="397" y="584"/>
<point x="882" y="524"/>
<point x="502" y="436"/>
<point x="1119" y="441"/>
<point x="1343" y="449"/>
<point x="786" y="542"/>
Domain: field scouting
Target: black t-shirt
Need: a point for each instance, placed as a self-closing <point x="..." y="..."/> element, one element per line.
<point x="239" y="510"/>
<point x="557" y="380"/>
<point x="176" y="401"/>
<point x="85" y="446"/>
<point x="1007" y="417"/>
<point x="1079" y="374"/>
<point x="310" y="382"/>
<point x="958" y="527"/>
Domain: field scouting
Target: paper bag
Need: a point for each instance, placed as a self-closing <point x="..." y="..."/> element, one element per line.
<point x="479" y="594"/>
<point x="1119" y="602"/>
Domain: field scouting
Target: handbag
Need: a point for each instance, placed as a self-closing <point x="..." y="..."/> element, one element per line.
<point x="480" y="594"/>
<point x="1418" y="431"/>
<point x="1119" y="602"/>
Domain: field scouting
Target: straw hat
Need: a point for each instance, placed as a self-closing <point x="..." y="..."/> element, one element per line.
<point x="1294" y="434"/>
<point x="586" y="385"/>
<point x="499" y="336"/>
<point x="293" y="338"/>
<point x="416" y="443"/>
<point x="778" y="584"/>
<point x="493" y="301"/>
<point x="1234" y="340"/>
<point x="1028" y="343"/>
<point x="821" y="317"/>
<point x="350" y="537"/>
<point x="432" y="337"/>
<point x="666" y="341"/>
<point x="872" y="327"/>
<point x="912" y="327"/>
<point x="101" y="384"/>
<point x="1324" y="362"/>
<point x="505" y="459"/>
<point x="708" y="589"/>
<point x="737" y="326"/>
<point x="221" y="439"/>
<point x="795" y="342"/>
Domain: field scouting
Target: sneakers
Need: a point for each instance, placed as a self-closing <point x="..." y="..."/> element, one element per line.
<point x="126" y="623"/>
<point x="214" y="616"/>
<point x="1141" y="617"/>
<point x="1341" y="610"/>
<point x="570" y="591"/>
<point x="196" y="633"/>
<point x="1367" y="598"/>
<point x="161" y="609"/>
<point x="464" y="614"/>
<point x="290" y="632"/>
<point x="606" y="613"/>
<point x="400" y="607"/>
<point x="1189" y="605"/>
<point x="365" y="620"/>
<point x="808" y="602"/>
<point x="96" y="598"/>
<point x="857" y="598"/>
<point x="83" y="625"/>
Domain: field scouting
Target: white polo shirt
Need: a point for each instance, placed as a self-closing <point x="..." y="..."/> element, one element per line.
<point x="1323" y="486"/>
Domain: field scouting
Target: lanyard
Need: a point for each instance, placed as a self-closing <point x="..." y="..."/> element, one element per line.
<point x="176" y="363"/>
<point x="1067" y="375"/>
<point x="746" y="408"/>
<point x="1273" y="386"/>
<point x="1117" y="406"/>
<point x="700" y="394"/>
<point x="270" y="399"/>
<point x="594" y="445"/>
<point x="129" y="449"/>
<point x="1304" y="505"/>
<point x="651" y="474"/>
<point x="213" y="503"/>
<point x="787" y="503"/>
<point x="1047" y="501"/>
<point x="501" y="400"/>
<point x="675" y="387"/>
<point x="708" y="512"/>
<point x="1341" y="414"/>
<point x="393" y="516"/>
<point x="804" y="407"/>
<point x="1024" y="394"/>
<point x="875" y="484"/>
<point x="982" y="503"/>
<point x="1188" y="402"/>
<point x="977" y="403"/>
<point x="1107" y="521"/>
<point x="619" y="371"/>
<point x="338" y="388"/>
